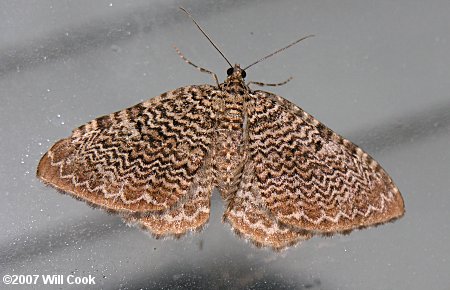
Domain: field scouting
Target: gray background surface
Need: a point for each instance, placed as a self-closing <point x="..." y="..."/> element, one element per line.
<point x="378" y="72"/>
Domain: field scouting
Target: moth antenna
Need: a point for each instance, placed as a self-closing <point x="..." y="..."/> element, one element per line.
<point x="280" y="50"/>
<point x="204" y="33"/>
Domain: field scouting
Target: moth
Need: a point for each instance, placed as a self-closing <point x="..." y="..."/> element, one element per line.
<point x="284" y="175"/>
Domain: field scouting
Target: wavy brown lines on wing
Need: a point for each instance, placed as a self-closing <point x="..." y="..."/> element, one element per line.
<point x="284" y="175"/>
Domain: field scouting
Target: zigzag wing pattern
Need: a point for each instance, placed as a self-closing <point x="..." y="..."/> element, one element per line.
<point x="142" y="159"/>
<point x="191" y="214"/>
<point x="311" y="178"/>
<point x="252" y="220"/>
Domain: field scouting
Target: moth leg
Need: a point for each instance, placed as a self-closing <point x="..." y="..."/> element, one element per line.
<point x="196" y="66"/>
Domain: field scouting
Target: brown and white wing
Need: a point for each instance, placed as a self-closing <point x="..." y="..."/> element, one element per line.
<point x="252" y="220"/>
<point x="191" y="214"/>
<point x="150" y="160"/>
<point x="310" y="178"/>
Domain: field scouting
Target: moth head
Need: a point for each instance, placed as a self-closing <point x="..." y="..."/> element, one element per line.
<point x="236" y="72"/>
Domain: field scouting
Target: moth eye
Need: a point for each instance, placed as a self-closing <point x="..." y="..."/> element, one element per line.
<point x="244" y="74"/>
<point x="230" y="71"/>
